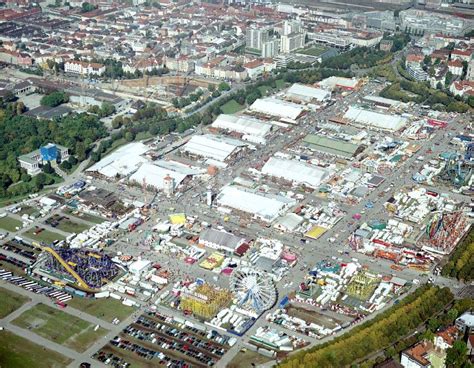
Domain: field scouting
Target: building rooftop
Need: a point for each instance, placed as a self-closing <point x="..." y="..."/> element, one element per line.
<point x="221" y="238"/>
<point x="330" y="145"/>
<point x="276" y="107"/>
<point x="295" y="171"/>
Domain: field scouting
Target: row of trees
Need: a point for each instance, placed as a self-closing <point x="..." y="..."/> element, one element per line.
<point x="106" y="109"/>
<point x="363" y="57"/>
<point x="376" y="334"/>
<point x="400" y="40"/>
<point x="435" y="98"/>
<point x="461" y="262"/>
<point x="434" y="324"/>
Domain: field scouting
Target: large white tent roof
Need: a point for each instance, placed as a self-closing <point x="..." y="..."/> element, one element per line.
<point x="242" y="124"/>
<point x="123" y="161"/>
<point x="266" y="207"/>
<point x="154" y="173"/>
<point x="375" y="119"/>
<point x="276" y="107"/>
<point x="295" y="171"/>
<point x="307" y="93"/>
<point x="334" y="81"/>
<point x="211" y="146"/>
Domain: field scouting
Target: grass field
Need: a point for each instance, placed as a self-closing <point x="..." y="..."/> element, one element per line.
<point x="12" y="268"/>
<point x="72" y="226"/>
<point x="10" y="224"/>
<point x="45" y="236"/>
<point x="106" y="309"/>
<point x="264" y="89"/>
<point x="60" y="327"/>
<point x="231" y="107"/>
<point x="17" y="352"/>
<point x="313" y="51"/>
<point x="10" y="302"/>
<point x="86" y="217"/>
<point x="247" y="359"/>
<point x="28" y="210"/>
<point x="280" y="83"/>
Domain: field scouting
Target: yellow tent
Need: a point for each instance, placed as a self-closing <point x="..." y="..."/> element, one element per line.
<point x="315" y="232"/>
<point x="177" y="218"/>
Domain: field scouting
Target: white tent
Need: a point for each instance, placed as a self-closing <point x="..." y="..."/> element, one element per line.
<point x="295" y="171"/>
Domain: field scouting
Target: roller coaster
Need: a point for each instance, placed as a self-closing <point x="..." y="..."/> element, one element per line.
<point x="89" y="269"/>
<point x="456" y="171"/>
<point x="444" y="229"/>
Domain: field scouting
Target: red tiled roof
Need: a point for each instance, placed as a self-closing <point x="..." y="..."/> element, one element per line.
<point x="418" y="353"/>
<point x="449" y="335"/>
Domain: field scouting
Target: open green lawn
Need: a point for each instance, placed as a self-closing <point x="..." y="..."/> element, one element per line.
<point x="72" y="226"/>
<point x="10" y="224"/>
<point x="17" y="352"/>
<point x="231" y="107"/>
<point x="280" y="83"/>
<point x="313" y="51"/>
<point x="106" y="309"/>
<point x="28" y="210"/>
<point x="10" y="302"/>
<point x="264" y="89"/>
<point x="85" y="216"/>
<point x="60" y="327"/>
<point x="45" y="236"/>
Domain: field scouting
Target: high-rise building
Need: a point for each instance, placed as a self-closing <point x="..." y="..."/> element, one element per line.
<point x="290" y="27"/>
<point x="292" y="36"/>
<point x="255" y="38"/>
<point x="292" y="41"/>
<point x="270" y="48"/>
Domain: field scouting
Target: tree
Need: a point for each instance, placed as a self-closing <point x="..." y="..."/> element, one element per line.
<point x="5" y="181"/>
<point x="456" y="356"/>
<point x="72" y="160"/>
<point x="223" y="86"/>
<point x="80" y="151"/>
<point x="54" y="99"/>
<point x="449" y="79"/>
<point x="25" y="178"/>
<point x="39" y="180"/>
<point x="95" y="157"/>
<point x="20" y="108"/>
<point x="87" y="7"/>
<point x="431" y="71"/>
<point x="129" y="136"/>
<point x="211" y="87"/>
<point x="106" y="109"/>
<point x="427" y="60"/>
<point x="66" y="165"/>
<point x="47" y="168"/>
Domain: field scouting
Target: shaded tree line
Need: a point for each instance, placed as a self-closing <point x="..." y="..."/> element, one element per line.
<point x="461" y="261"/>
<point x="376" y="334"/>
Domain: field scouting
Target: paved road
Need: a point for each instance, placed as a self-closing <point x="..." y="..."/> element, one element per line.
<point x="77" y="357"/>
<point x="311" y="253"/>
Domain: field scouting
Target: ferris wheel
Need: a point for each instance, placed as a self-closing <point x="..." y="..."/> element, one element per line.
<point x="254" y="289"/>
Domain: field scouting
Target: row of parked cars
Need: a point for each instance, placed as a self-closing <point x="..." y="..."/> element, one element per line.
<point x="146" y="353"/>
<point x="211" y="335"/>
<point x="33" y="286"/>
<point x="111" y="359"/>
<point x="173" y="344"/>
